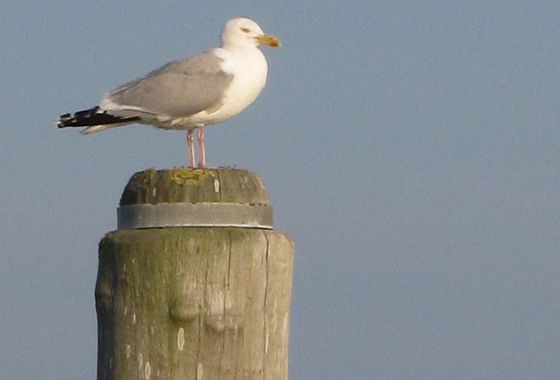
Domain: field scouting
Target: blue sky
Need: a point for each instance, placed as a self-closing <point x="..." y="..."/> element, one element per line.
<point x="410" y="150"/>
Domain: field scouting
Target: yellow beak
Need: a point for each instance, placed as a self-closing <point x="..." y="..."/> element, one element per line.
<point x="267" y="39"/>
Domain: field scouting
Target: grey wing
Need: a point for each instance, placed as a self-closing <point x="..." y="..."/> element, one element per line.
<point x="178" y="89"/>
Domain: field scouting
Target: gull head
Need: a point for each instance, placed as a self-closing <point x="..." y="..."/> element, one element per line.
<point x="244" y="32"/>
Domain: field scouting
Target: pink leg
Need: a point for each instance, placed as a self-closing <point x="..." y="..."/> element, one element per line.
<point x="190" y="145"/>
<point x="201" y="148"/>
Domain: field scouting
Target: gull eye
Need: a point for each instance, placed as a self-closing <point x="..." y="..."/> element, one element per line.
<point x="245" y="30"/>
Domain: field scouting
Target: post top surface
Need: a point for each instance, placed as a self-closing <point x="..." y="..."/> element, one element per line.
<point x="194" y="185"/>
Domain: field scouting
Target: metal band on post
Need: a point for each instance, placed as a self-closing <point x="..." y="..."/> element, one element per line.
<point x="203" y="214"/>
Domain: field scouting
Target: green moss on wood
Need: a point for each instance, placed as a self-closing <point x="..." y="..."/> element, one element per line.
<point x="184" y="300"/>
<point x="193" y="185"/>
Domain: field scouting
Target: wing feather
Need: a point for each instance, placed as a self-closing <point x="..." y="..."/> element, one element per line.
<point x="177" y="89"/>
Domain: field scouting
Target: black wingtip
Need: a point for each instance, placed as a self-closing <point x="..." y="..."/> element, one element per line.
<point x="91" y="117"/>
<point x="64" y="120"/>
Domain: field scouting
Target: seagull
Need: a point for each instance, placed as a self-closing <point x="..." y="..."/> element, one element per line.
<point x="188" y="94"/>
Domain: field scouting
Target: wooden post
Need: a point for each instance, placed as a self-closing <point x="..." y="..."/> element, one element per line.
<point x="194" y="284"/>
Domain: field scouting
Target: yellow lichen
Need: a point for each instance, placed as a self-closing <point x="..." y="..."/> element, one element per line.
<point x="190" y="176"/>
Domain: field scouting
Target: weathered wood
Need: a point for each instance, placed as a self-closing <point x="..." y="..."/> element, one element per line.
<point x="194" y="302"/>
<point x="195" y="185"/>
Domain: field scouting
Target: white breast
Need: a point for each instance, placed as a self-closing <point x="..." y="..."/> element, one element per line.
<point x="249" y="69"/>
